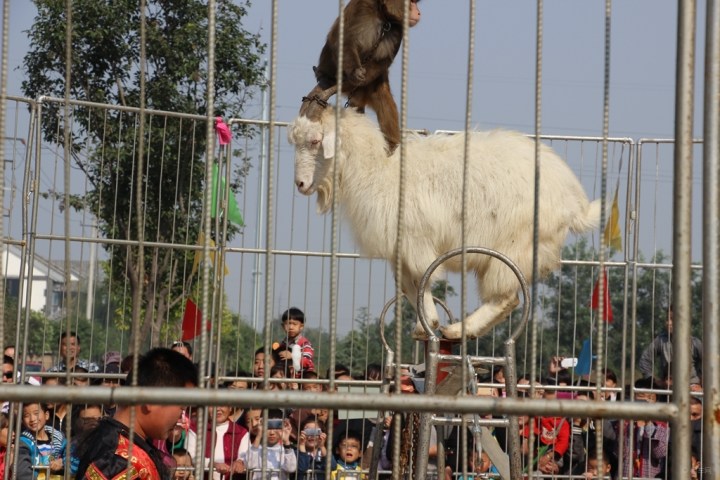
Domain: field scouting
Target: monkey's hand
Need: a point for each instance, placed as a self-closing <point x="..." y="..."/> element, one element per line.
<point x="358" y="75"/>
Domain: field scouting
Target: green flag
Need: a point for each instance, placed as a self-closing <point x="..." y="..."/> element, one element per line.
<point x="233" y="211"/>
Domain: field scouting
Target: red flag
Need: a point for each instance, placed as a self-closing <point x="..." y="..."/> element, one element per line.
<point x="595" y="301"/>
<point x="192" y="321"/>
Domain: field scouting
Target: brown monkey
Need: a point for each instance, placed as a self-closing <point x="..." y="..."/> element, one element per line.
<point x="372" y="37"/>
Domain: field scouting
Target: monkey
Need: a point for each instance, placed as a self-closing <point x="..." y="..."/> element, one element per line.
<point x="372" y="38"/>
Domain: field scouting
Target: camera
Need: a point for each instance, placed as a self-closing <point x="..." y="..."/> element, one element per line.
<point x="274" y="424"/>
<point x="569" y="362"/>
<point x="312" y="432"/>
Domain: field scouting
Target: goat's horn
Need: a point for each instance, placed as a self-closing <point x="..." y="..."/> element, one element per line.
<point x="328" y="92"/>
<point x="316" y="101"/>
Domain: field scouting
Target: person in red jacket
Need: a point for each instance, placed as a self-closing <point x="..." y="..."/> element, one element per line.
<point x="552" y="440"/>
<point x="224" y="444"/>
<point x="296" y="347"/>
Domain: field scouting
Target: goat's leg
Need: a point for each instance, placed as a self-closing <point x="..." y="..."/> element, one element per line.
<point x="482" y="320"/>
<point x="431" y="314"/>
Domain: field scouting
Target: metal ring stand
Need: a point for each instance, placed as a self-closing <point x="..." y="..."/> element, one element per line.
<point x="433" y="357"/>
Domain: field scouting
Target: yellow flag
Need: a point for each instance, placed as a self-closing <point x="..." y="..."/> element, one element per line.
<point x="199" y="254"/>
<point x="612" y="234"/>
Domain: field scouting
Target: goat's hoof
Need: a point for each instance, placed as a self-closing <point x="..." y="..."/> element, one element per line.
<point x="454" y="332"/>
<point x="419" y="334"/>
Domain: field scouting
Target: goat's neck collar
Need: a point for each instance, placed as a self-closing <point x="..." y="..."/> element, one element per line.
<point x="316" y="99"/>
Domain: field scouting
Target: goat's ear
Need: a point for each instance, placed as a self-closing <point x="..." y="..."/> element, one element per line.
<point x="328" y="143"/>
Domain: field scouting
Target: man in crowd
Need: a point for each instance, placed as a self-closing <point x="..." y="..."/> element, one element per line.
<point x="110" y="452"/>
<point x="70" y="355"/>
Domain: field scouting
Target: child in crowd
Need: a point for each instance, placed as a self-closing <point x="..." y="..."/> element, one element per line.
<point x="85" y="418"/>
<point x="183" y="465"/>
<point x="293" y="322"/>
<point x="40" y="445"/>
<point x="281" y="457"/>
<point x="348" y="453"/>
<point x="479" y="464"/>
<point x="4" y="442"/>
<point x="259" y="363"/>
<point x="592" y="465"/>
<point x="252" y="421"/>
<point x="312" y="447"/>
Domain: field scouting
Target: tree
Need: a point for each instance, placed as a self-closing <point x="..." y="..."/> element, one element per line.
<point x="364" y="344"/>
<point x="105" y="59"/>
<point x="568" y="319"/>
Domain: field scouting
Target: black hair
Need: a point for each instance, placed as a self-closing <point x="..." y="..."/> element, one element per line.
<point x="610" y="375"/>
<point x="350" y="433"/>
<point x="181" y="452"/>
<point x="66" y="334"/>
<point x="647" y="382"/>
<point x="311" y="376"/>
<point x="9" y="360"/>
<point x="339" y="370"/>
<point x="273" y="353"/>
<point x="312" y="419"/>
<point x="373" y="371"/>
<point x="78" y="424"/>
<point x="275" y="413"/>
<point x="592" y="455"/>
<point x="293" y="313"/>
<point x="43" y="406"/>
<point x="162" y="367"/>
<point x="236" y="373"/>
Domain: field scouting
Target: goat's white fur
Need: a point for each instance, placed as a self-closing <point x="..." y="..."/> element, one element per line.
<point x="500" y="204"/>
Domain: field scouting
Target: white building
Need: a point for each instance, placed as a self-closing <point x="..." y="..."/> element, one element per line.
<point x="46" y="284"/>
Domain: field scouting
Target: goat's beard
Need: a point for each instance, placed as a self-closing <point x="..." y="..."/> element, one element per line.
<point x="325" y="193"/>
<point x="324" y="197"/>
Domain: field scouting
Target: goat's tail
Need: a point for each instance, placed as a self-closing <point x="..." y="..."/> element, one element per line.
<point x="589" y="220"/>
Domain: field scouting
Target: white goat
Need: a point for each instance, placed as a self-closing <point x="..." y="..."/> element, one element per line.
<point x="500" y="208"/>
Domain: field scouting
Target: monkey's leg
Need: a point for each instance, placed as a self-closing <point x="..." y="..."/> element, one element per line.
<point x="382" y="101"/>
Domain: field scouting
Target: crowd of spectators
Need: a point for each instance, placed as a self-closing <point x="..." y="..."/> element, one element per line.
<point x="298" y="443"/>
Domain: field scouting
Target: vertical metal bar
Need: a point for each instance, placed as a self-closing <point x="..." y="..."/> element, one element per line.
<point x="3" y="113"/>
<point x="682" y="216"/>
<point x="711" y="242"/>
<point x="269" y="228"/>
<point x="423" y="446"/>
<point x="602" y="274"/>
<point x="513" y="433"/>
<point x="397" y="267"/>
<point x="536" y="220"/>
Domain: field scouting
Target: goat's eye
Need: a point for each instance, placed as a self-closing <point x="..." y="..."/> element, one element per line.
<point x="314" y="143"/>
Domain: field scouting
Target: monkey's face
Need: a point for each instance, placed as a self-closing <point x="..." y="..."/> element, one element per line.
<point x="414" y="13"/>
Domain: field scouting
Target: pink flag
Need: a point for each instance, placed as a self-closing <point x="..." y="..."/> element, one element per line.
<point x="223" y="131"/>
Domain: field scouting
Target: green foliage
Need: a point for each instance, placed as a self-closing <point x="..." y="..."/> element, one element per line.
<point x="567" y="318"/>
<point x="43" y="334"/>
<point x="364" y="345"/>
<point x="105" y="58"/>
